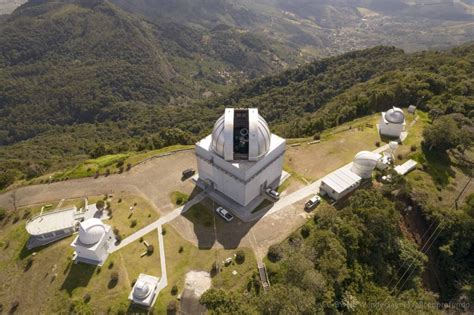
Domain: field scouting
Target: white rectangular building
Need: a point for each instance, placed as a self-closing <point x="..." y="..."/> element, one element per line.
<point x="340" y="182"/>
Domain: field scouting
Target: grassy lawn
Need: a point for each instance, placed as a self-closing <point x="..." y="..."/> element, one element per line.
<point x="178" y="198"/>
<point x="200" y="214"/>
<point x="122" y="216"/>
<point x="191" y="258"/>
<point x="338" y="146"/>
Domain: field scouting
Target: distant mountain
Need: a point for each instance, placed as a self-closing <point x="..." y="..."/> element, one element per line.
<point x="68" y="62"/>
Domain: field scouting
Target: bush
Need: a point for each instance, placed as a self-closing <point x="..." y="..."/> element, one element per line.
<point x="240" y="257"/>
<point x="174" y="290"/>
<point x="275" y="253"/>
<point x="133" y="223"/>
<point x="305" y="231"/>
<point x="163" y="232"/>
<point x="140" y="239"/>
<point x="100" y="204"/>
<point x="120" y="163"/>
<point x="172" y="307"/>
<point x="120" y="200"/>
<point x="129" y="166"/>
<point x="413" y="148"/>
<point x="121" y="169"/>
<point x="116" y="231"/>
<point x="377" y="144"/>
<point x="3" y="214"/>
<point x="14" y="306"/>
<point x="114" y="276"/>
<point x="400" y="157"/>
<point x="181" y="249"/>
<point x="111" y="264"/>
<point x="86" y="298"/>
<point x="118" y="238"/>
<point x="150" y="249"/>
<point x="317" y="136"/>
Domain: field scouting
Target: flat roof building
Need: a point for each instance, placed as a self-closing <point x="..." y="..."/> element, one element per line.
<point x="340" y="183"/>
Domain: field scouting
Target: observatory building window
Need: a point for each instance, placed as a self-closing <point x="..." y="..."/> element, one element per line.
<point x="241" y="134"/>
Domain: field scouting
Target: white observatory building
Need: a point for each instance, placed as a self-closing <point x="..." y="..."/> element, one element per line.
<point x="241" y="157"/>
<point x="392" y="123"/>
<point x="144" y="290"/>
<point x="92" y="244"/>
<point x="341" y="182"/>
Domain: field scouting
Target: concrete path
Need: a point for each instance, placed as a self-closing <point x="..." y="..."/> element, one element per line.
<point x="164" y="276"/>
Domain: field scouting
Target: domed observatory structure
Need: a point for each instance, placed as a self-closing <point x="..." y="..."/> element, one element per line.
<point x="240" y="158"/>
<point x="364" y="163"/>
<point x="144" y="290"/>
<point x="392" y="123"/>
<point x="92" y="244"/>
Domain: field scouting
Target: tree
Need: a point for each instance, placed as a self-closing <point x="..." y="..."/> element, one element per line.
<point x="240" y="256"/>
<point x="275" y="253"/>
<point x="442" y="134"/>
<point x="100" y="204"/>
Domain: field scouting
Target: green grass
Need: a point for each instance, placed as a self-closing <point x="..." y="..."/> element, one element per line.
<point x="178" y="198"/>
<point x="200" y="214"/>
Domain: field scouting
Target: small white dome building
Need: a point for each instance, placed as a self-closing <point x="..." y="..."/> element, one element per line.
<point x="240" y="158"/>
<point x="92" y="244"/>
<point x="392" y="123"/>
<point x="144" y="290"/>
<point x="364" y="163"/>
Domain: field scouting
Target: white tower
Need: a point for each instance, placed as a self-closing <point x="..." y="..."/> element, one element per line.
<point x="241" y="156"/>
<point x="92" y="244"/>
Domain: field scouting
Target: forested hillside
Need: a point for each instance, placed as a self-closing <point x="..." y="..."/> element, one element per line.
<point x="66" y="118"/>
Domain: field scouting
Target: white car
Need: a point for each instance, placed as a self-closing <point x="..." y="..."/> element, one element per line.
<point x="223" y="213"/>
<point x="312" y="203"/>
<point x="273" y="193"/>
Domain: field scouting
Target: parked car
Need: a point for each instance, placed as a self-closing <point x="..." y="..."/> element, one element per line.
<point x="188" y="172"/>
<point x="312" y="203"/>
<point x="223" y="213"/>
<point x="273" y="193"/>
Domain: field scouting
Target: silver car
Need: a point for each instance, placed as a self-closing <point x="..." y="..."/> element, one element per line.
<point x="223" y="213"/>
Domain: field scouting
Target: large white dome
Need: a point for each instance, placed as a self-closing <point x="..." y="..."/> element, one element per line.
<point x="91" y="231"/>
<point x="364" y="163"/>
<point x="395" y="116"/>
<point x="241" y="134"/>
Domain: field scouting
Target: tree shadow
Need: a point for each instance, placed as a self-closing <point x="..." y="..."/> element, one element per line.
<point x="438" y="166"/>
<point x="78" y="276"/>
<point x="138" y="309"/>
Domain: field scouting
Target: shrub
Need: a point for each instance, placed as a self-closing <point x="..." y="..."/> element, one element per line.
<point x="317" y="136"/>
<point x="377" y="144"/>
<point x="240" y="256"/>
<point x="275" y="253"/>
<point x="118" y="238"/>
<point x="181" y="249"/>
<point x="141" y="239"/>
<point x="100" y="204"/>
<point x="413" y="148"/>
<point x="400" y="157"/>
<point x="111" y="264"/>
<point x="120" y="200"/>
<point x="114" y="276"/>
<point x="133" y="223"/>
<point x="172" y="307"/>
<point x="150" y="249"/>
<point x="179" y="200"/>
<point x="120" y="163"/>
<point x="116" y="231"/>
<point x="129" y="166"/>
<point x="163" y="232"/>
<point x="14" y="306"/>
<point x="86" y="298"/>
<point x="121" y="169"/>
<point x="174" y="290"/>
<point x="305" y="231"/>
<point x="3" y="214"/>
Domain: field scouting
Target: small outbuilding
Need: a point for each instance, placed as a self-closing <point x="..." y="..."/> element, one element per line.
<point x="144" y="290"/>
<point x="392" y="123"/>
<point x="411" y="109"/>
<point x="406" y="167"/>
<point x="340" y="183"/>
<point x="92" y="244"/>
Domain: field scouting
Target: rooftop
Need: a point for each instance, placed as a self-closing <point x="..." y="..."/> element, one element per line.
<point x="52" y="221"/>
<point x="341" y="179"/>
